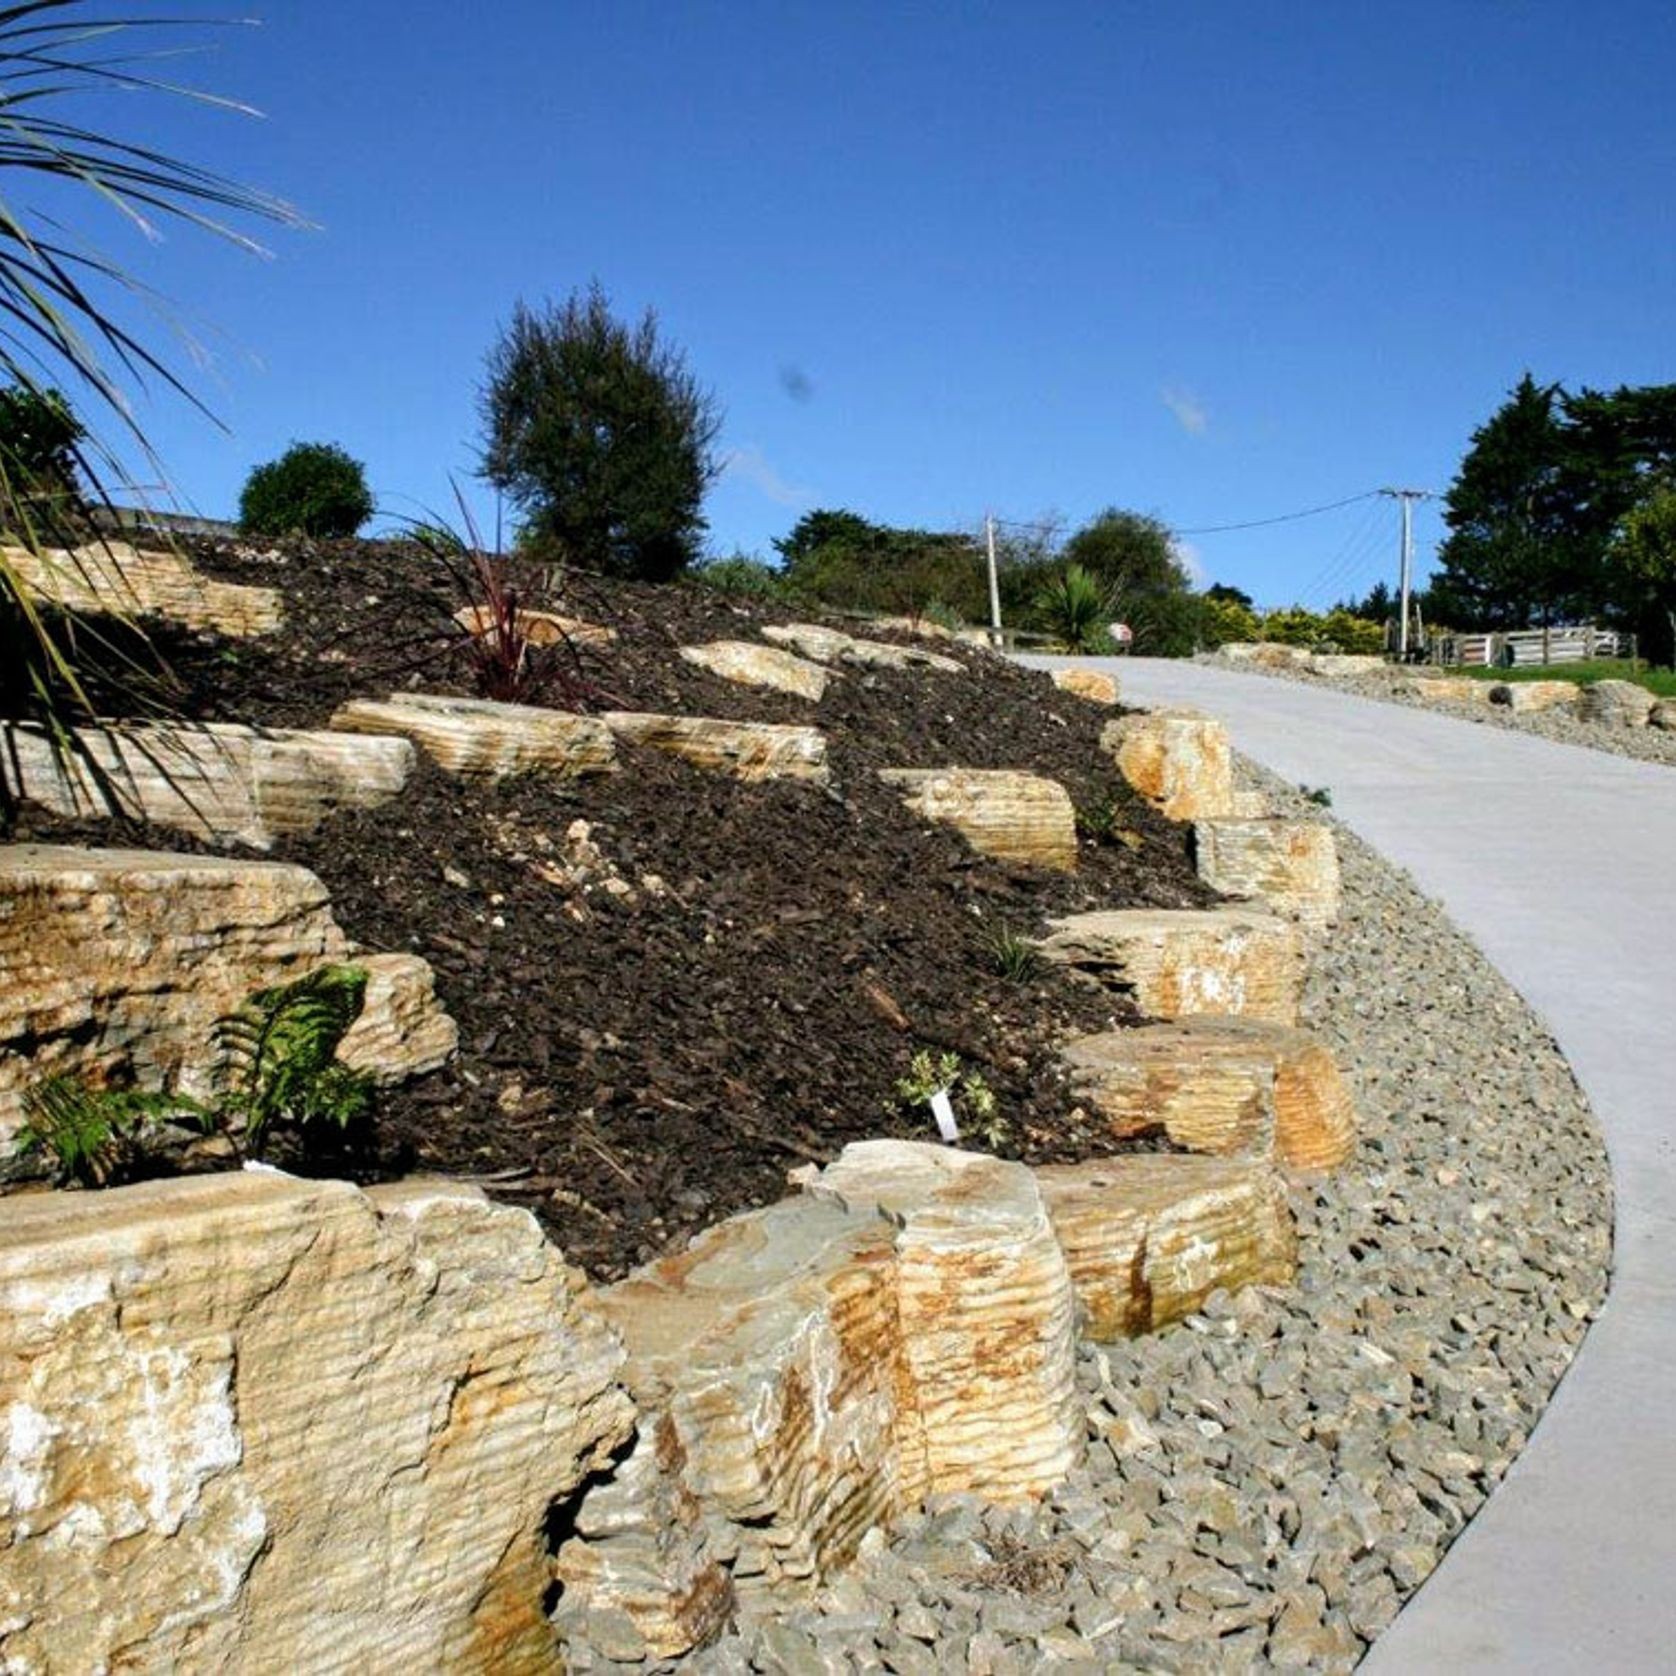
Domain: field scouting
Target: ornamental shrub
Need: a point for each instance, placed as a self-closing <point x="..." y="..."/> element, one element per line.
<point x="313" y="488"/>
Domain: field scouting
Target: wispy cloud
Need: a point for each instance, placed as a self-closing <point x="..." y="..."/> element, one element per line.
<point x="1189" y="410"/>
<point x="1191" y="560"/>
<point x="749" y="465"/>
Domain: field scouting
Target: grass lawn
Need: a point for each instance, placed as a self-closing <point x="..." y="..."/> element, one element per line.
<point x="1660" y="681"/>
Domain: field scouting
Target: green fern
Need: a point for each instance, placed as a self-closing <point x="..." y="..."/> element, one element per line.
<point x="95" y="1134"/>
<point x="281" y="1046"/>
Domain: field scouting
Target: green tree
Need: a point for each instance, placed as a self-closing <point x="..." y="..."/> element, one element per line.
<point x="1133" y="557"/>
<point x="1510" y="559"/>
<point x="841" y="559"/>
<point x="1641" y="564"/>
<point x="600" y="436"/>
<point x="313" y="489"/>
<point x="39" y="441"/>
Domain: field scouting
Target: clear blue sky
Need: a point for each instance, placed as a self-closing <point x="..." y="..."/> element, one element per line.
<point x="1214" y="261"/>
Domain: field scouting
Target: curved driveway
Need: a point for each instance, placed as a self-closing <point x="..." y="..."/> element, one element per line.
<point x="1561" y="863"/>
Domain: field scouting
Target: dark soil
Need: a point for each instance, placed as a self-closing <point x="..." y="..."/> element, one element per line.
<point x="641" y="1058"/>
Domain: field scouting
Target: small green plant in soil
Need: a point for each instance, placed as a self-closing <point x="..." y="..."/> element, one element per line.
<point x="281" y="1045"/>
<point x="972" y="1097"/>
<point x="1100" y="819"/>
<point x="1321" y="796"/>
<point x="96" y="1137"/>
<point x="1013" y="956"/>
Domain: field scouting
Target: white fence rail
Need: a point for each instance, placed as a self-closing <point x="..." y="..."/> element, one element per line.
<point x="1571" y="643"/>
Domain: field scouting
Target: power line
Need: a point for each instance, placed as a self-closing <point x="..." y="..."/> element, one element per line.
<point x="1284" y="517"/>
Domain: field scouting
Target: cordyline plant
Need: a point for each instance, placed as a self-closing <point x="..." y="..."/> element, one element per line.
<point x="517" y="653"/>
<point x="58" y="324"/>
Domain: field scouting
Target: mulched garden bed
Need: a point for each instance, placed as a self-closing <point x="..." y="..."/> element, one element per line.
<point x="735" y="982"/>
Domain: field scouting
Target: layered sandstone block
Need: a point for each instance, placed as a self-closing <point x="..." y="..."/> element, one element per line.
<point x="751" y="665"/>
<point x="767" y="1362"/>
<point x="1022" y="818"/>
<point x="115" y="579"/>
<point x="1289" y="865"/>
<point x="118" y="964"/>
<point x="1343" y="666"/>
<point x="536" y="628"/>
<point x="1225" y="1087"/>
<point x="1449" y="689"/>
<point x="1523" y="697"/>
<point x="811" y="1371"/>
<point x="1263" y="654"/>
<point x="403" y="1030"/>
<point x="827" y="645"/>
<point x="1178" y="760"/>
<point x="1148" y="1238"/>
<point x="218" y="780"/>
<point x="1093" y="684"/>
<point x="481" y="737"/>
<point x="741" y="750"/>
<point x="1178" y="964"/>
<point x="985" y="1304"/>
<point x="1615" y="704"/>
<point x="259" y="1423"/>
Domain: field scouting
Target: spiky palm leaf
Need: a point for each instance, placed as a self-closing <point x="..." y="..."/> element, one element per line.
<point x="57" y="320"/>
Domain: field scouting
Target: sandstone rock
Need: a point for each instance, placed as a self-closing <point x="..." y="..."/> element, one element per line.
<point x="760" y="666"/>
<point x="641" y="1548"/>
<point x="118" y="963"/>
<point x="744" y="750"/>
<point x="826" y="645"/>
<point x="810" y="1372"/>
<point x="403" y="1030"/>
<point x="1023" y="818"/>
<point x="1231" y="1087"/>
<point x="1182" y="963"/>
<point x="254" y="1422"/>
<point x="121" y="961"/>
<point x="1663" y="717"/>
<point x="1615" y="704"/>
<point x="923" y="627"/>
<point x="1149" y="1238"/>
<point x="984" y="1300"/>
<point x="1288" y="865"/>
<point x="1093" y="684"/>
<point x="1344" y="666"/>
<point x="1263" y="654"/>
<point x="479" y="736"/>
<point x="218" y="781"/>
<point x="767" y="1360"/>
<point x="1449" y="689"/>
<point x="539" y="628"/>
<point x="1250" y="806"/>
<point x="1523" y="697"/>
<point x="1178" y="760"/>
<point x="116" y="579"/>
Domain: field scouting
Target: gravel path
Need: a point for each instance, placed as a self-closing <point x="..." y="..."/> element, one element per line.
<point x="1645" y="744"/>
<point x="1265" y="1483"/>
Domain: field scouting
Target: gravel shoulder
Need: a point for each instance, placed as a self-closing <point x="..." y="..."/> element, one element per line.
<point x="1266" y="1484"/>
<point x="1644" y="744"/>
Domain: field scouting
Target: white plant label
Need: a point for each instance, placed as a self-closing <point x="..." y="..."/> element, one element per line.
<point x="942" y="1108"/>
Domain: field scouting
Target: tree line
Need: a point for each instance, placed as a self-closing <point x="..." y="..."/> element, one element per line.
<point x="1564" y="509"/>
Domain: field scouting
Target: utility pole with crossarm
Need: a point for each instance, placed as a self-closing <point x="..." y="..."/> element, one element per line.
<point x="1408" y="497"/>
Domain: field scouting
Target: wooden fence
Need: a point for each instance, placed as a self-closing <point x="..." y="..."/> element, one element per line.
<point x="1570" y="643"/>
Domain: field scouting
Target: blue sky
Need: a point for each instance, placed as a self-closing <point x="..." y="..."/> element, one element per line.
<point x="1211" y="261"/>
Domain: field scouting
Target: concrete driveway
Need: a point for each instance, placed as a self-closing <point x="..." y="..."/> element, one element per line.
<point x="1561" y="863"/>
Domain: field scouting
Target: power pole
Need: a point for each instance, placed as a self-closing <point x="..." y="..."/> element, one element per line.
<point x="994" y="581"/>
<point x="1408" y="497"/>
